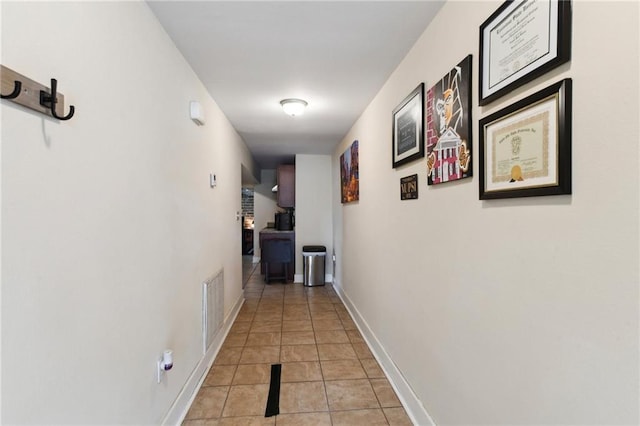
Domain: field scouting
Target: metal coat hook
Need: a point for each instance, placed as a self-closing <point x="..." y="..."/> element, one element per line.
<point x="17" y="88"/>
<point x="49" y="101"/>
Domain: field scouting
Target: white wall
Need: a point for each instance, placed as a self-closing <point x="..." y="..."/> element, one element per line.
<point x="109" y="225"/>
<point x="314" y="220"/>
<point x="521" y="311"/>
<point x="264" y="205"/>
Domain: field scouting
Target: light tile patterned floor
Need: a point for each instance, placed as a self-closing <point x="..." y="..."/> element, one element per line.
<point x="329" y="376"/>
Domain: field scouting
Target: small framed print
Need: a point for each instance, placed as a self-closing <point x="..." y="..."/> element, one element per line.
<point x="349" y="174"/>
<point x="525" y="148"/>
<point x="521" y="41"/>
<point x="408" y="123"/>
<point x="409" y="187"/>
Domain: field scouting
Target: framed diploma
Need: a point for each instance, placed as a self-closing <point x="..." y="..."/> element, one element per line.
<point x="525" y="149"/>
<point x="408" y="122"/>
<point x="521" y="41"/>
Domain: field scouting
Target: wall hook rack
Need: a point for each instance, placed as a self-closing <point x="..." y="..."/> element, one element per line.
<point x="33" y="95"/>
<point x="49" y="101"/>
<point x="17" y="88"/>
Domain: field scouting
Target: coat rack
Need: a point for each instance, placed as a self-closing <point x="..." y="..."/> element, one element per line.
<point x="22" y="90"/>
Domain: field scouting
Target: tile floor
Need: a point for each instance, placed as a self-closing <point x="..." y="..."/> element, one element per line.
<point x="329" y="376"/>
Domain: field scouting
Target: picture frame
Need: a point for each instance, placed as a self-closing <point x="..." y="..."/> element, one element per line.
<point x="409" y="187"/>
<point x="448" y="141"/>
<point x="349" y="174"/>
<point x="408" y="124"/>
<point x="525" y="148"/>
<point x="521" y="41"/>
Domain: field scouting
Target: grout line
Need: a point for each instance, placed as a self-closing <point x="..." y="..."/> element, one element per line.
<point x="277" y="298"/>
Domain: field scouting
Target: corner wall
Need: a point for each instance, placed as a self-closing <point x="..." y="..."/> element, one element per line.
<point x="314" y="222"/>
<point x="521" y="311"/>
<point x="109" y="225"/>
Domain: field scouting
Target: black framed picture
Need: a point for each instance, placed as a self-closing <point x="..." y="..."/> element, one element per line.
<point x="525" y="148"/>
<point x="521" y="41"/>
<point x="408" y="123"/>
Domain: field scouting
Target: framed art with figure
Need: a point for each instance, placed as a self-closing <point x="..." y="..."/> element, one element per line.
<point x="449" y="126"/>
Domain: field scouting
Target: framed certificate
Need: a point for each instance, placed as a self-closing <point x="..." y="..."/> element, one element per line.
<point x="522" y="40"/>
<point x="525" y="149"/>
<point x="408" y="123"/>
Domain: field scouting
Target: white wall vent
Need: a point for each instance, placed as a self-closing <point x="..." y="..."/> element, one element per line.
<point x="212" y="308"/>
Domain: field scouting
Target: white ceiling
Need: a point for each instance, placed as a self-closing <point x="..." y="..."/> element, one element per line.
<point x="252" y="54"/>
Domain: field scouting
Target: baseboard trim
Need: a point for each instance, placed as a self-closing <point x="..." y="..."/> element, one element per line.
<point x="299" y="278"/>
<point x="181" y="405"/>
<point x="413" y="406"/>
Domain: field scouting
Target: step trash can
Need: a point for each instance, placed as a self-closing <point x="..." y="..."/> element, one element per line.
<point x="313" y="263"/>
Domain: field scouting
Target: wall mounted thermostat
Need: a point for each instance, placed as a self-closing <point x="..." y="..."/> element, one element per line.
<point x="196" y="114"/>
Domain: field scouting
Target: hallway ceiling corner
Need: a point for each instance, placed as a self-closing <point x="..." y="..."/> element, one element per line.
<point x="334" y="54"/>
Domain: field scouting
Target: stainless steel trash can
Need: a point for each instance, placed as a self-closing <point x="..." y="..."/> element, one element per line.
<point x="313" y="265"/>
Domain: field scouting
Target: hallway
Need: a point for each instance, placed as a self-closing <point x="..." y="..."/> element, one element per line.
<point x="329" y="376"/>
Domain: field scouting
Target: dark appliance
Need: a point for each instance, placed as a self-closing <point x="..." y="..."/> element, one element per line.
<point x="284" y="221"/>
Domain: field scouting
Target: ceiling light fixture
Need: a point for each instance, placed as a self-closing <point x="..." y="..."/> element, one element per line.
<point x="293" y="107"/>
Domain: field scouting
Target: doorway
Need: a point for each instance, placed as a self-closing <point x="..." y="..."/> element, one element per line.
<point x="247" y="233"/>
<point x="247" y="224"/>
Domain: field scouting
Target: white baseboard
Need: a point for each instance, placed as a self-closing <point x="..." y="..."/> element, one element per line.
<point x="299" y="278"/>
<point x="413" y="406"/>
<point x="178" y="410"/>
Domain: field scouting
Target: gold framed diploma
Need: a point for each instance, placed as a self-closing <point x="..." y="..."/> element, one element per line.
<point x="525" y="148"/>
<point x="521" y="41"/>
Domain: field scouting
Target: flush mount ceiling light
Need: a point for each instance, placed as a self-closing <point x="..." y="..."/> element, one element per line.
<point x="293" y="107"/>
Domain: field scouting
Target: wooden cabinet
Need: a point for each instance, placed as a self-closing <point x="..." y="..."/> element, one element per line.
<point x="286" y="176"/>
<point x="276" y="268"/>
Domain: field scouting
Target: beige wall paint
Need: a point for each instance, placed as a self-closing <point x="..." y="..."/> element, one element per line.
<point x="109" y="225"/>
<point x="521" y="311"/>
<point x="313" y="207"/>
